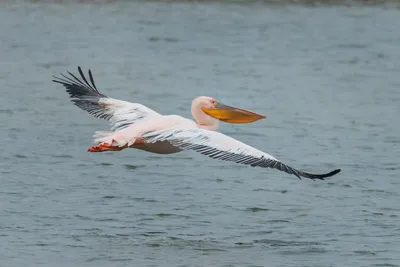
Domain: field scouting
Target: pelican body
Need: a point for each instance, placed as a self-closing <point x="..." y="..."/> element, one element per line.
<point x="134" y="125"/>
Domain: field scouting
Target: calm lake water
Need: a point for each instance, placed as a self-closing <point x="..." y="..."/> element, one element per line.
<point x="328" y="78"/>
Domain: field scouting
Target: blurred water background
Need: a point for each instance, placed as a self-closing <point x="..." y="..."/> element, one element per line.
<point x="327" y="77"/>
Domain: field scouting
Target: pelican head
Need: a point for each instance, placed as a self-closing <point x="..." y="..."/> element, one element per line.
<point x="222" y="112"/>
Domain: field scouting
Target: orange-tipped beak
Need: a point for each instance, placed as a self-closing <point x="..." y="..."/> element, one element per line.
<point x="232" y="114"/>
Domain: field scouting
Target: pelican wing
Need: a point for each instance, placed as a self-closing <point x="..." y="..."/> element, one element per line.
<point x="85" y="95"/>
<point x="219" y="146"/>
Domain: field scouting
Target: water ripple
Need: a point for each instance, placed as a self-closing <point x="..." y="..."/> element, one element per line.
<point x="327" y="78"/>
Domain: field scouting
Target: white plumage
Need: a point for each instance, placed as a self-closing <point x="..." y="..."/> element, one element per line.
<point x="137" y="126"/>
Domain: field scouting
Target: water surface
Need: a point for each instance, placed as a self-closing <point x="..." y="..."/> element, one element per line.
<point x="326" y="77"/>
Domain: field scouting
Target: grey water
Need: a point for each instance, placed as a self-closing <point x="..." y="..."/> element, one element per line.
<point x="326" y="77"/>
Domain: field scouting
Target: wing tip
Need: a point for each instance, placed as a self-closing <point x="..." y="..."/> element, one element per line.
<point x="329" y="174"/>
<point x="75" y="81"/>
<point x="319" y="176"/>
<point x="334" y="172"/>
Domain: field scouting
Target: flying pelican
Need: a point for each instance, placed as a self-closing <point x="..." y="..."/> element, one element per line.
<point x="137" y="126"/>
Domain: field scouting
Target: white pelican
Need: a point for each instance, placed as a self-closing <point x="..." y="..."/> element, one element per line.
<point x="137" y="126"/>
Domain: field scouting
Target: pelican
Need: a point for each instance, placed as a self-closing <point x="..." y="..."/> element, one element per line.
<point x="134" y="125"/>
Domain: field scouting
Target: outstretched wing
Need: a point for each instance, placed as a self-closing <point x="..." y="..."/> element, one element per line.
<point x="85" y="95"/>
<point x="219" y="146"/>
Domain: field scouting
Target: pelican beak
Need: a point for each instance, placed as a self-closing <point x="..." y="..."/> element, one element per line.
<point x="232" y="114"/>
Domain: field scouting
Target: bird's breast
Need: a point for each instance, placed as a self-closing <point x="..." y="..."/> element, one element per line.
<point x="162" y="147"/>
